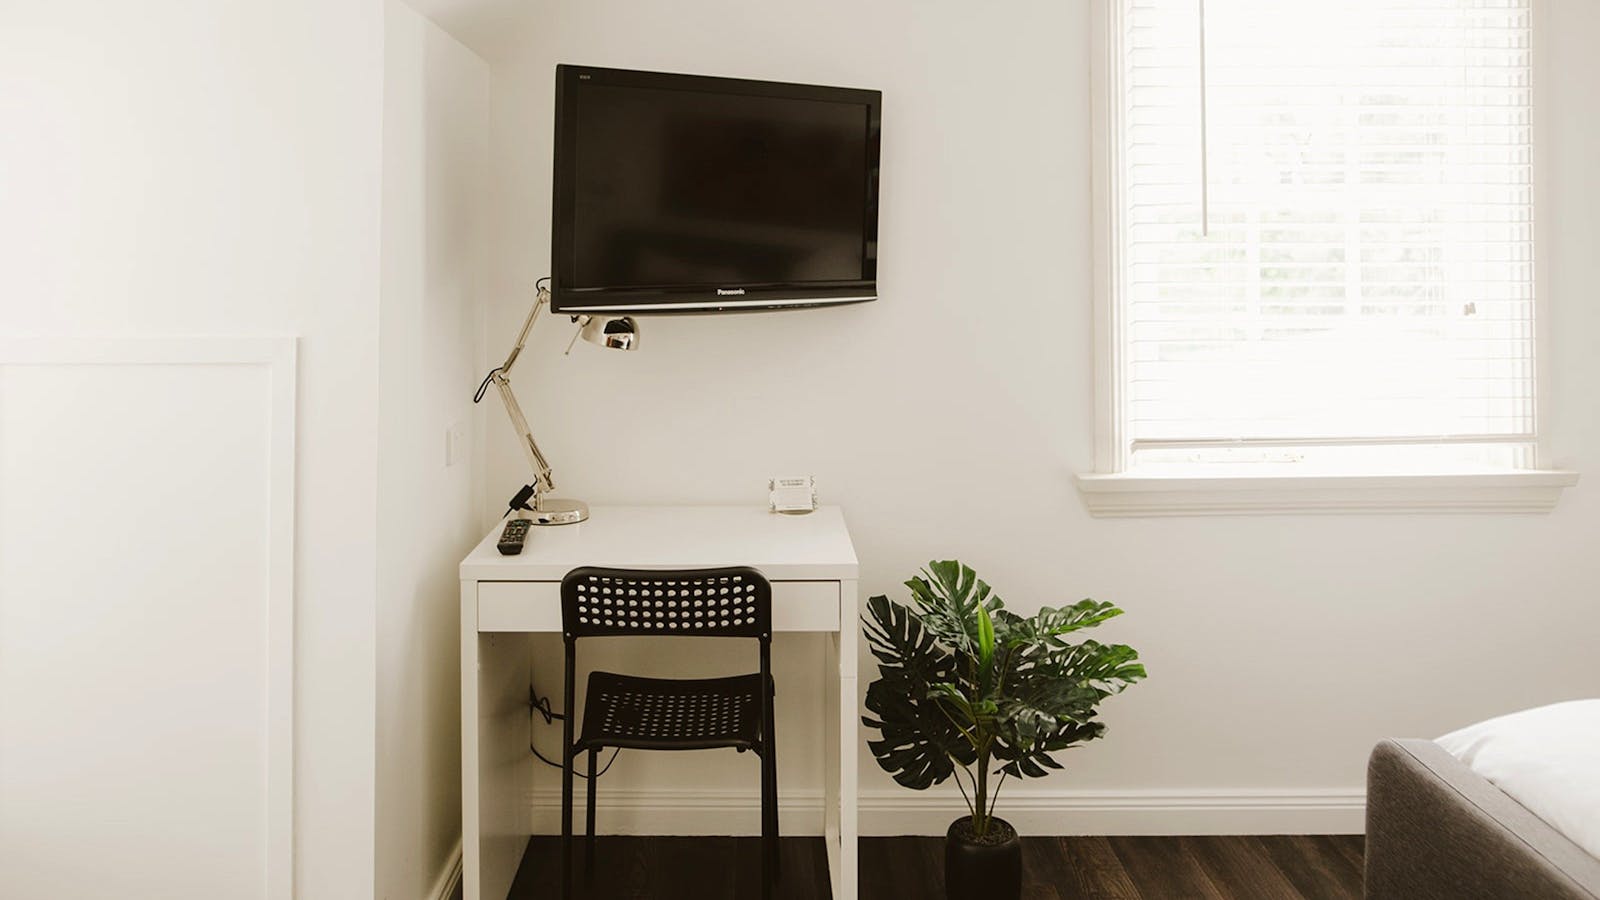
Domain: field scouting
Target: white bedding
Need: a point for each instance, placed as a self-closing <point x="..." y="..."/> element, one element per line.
<point x="1547" y="759"/>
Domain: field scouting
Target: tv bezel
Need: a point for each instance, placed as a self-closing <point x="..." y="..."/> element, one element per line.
<point x="698" y="298"/>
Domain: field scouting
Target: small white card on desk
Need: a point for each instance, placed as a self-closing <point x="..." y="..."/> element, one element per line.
<point x="794" y="495"/>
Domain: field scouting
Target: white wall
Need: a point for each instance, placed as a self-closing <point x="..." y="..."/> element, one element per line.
<point x="435" y="148"/>
<point x="178" y="168"/>
<point x="948" y="417"/>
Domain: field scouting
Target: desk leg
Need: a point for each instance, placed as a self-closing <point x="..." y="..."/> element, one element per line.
<point x="496" y="774"/>
<point x="471" y="860"/>
<point x="840" y="751"/>
<point x="849" y="737"/>
<point x="830" y="757"/>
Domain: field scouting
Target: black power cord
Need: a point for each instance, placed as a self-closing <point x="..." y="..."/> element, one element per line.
<point x="520" y="501"/>
<point x="483" y="386"/>
<point x="540" y="706"/>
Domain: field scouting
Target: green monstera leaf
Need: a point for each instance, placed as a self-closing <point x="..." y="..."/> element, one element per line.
<point x="948" y="596"/>
<point x="919" y="744"/>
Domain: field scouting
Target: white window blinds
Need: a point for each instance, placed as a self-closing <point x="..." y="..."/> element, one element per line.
<point x="1324" y="229"/>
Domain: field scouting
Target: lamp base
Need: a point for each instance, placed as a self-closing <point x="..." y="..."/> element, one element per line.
<point x="556" y="511"/>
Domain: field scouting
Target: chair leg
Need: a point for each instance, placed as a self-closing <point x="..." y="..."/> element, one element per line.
<point x="769" y="813"/>
<point x="570" y="707"/>
<point x="770" y="754"/>
<point x="594" y="770"/>
<point x="769" y="804"/>
<point x="566" y="822"/>
<point x="769" y="823"/>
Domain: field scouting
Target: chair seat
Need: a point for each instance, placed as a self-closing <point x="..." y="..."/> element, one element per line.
<point x="671" y="713"/>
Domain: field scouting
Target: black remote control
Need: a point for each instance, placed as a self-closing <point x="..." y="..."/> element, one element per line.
<point x="512" y="538"/>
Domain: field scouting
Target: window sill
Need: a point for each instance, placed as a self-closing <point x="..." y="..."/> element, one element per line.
<point x="1138" y="495"/>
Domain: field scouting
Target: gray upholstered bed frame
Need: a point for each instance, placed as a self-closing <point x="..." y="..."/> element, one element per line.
<point x="1438" y="831"/>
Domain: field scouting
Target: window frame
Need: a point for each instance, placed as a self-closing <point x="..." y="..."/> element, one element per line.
<point x="1113" y="490"/>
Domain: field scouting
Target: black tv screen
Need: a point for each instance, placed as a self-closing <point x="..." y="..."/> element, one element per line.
<point x="683" y="193"/>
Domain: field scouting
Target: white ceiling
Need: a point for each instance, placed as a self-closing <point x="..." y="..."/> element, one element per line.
<point x="490" y="28"/>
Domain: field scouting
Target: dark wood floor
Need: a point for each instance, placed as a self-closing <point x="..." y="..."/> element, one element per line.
<point x="909" y="868"/>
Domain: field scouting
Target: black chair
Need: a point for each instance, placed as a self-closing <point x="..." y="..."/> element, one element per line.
<point x="628" y="712"/>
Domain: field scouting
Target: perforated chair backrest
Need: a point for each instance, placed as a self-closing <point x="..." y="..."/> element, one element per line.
<point x="728" y="602"/>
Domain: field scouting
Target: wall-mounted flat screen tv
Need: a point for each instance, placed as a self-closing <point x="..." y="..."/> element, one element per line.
<point x="683" y="193"/>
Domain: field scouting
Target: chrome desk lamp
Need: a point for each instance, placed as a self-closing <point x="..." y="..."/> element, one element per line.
<point x="613" y="332"/>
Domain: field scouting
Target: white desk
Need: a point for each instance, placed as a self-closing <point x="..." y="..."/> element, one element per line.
<point x="812" y="566"/>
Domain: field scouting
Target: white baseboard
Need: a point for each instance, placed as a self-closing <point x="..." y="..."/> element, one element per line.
<point x="1068" y="812"/>
<point x="445" y="887"/>
<point x="678" y="811"/>
<point x="896" y="812"/>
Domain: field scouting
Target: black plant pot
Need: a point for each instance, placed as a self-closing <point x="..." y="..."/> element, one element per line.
<point x="987" y="868"/>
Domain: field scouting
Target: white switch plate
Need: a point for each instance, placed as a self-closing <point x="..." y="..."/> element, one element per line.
<point x="455" y="443"/>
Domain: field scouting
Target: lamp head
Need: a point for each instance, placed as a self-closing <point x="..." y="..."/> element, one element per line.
<point x="612" y="332"/>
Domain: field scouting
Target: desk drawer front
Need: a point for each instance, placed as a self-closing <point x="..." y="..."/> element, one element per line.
<point x="536" y="606"/>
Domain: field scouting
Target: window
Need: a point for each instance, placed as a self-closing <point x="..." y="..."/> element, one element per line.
<point x="1321" y="235"/>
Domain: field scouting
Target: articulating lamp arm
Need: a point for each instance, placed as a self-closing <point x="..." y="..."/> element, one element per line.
<point x="543" y="481"/>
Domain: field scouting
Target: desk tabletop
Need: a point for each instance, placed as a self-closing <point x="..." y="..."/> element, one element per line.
<point x="811" y="547"/>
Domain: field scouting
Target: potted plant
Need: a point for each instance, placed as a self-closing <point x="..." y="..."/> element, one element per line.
<point x="966" y="686"/>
